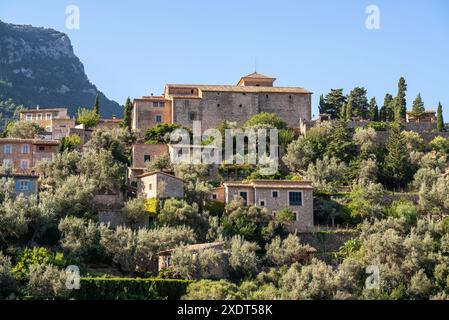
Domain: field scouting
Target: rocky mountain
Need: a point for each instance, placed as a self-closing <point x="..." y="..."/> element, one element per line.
<point x="38" y="67"/>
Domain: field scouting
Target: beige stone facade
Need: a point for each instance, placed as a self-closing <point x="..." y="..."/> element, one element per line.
<point x="55" y="121"/>
<point x="21" y="155"/>
<point x="159" y="185"/>
<point x="274" y="195"/>
<point x="211" y="104"/>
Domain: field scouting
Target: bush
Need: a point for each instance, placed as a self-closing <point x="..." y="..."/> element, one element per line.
<point x="130" y="289"/>
<point x="378" y="126"/>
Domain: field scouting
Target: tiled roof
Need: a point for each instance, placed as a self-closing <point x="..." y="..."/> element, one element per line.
<point x="243" y="89"/>
<point x="147" y="174"/>
<point x="30" y="141"/>
<point x="256" y="75"/>
<point x="43" y="109"/>
<point x="274" y="184"/>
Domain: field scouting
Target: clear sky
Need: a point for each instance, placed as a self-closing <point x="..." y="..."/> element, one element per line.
<point x="134" y="47"/>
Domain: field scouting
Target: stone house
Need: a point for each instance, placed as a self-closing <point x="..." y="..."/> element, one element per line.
<point x="142" y="153"/>
<point x="55" y="121"/>
<point x="428" y="116"/>
<point x="211" y="104"/>
<point x="273" y="195"/>
<point x="159" y="185"/>
<point x="21" y="155"/>
<point x="25" y="184"/>
<point x="215" y="272"/>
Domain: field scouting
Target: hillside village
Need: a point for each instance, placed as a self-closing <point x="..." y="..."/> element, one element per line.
<point x="361" y="184"/>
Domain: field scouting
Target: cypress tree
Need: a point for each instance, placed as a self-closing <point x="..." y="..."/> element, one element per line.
<point x="349" y="109"/>
<point x="440" y="120"/>
<point x="374" y="110"/>
<point x="418" y="106"/>
<point x="397" y="162"/>
<point x="400" y="104"/>
<point x="341" y="145"/>
<point x="97" y="105"/>
<point x="388" y="107"/>
<point x="322" y="107"/>
<point x="127" y="114"/>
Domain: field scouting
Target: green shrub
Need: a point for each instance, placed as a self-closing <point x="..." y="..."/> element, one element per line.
<point x="130" y="289"/>
<point x="378" y="126"/>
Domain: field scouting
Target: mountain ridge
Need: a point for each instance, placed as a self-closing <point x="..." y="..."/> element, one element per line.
<point x="38" y="67"/>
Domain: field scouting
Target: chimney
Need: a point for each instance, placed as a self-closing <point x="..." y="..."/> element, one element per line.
<point x="37" y="108"/>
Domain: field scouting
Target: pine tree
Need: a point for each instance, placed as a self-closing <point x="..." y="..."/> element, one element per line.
<point x="127" y="114"/>
<point x="440" y="120"/>
<point x="97" y="105"/>
<point x="360" y="106"/>
<point x="400" y="104"/>
<point x="397" y="162"/>
<point x="373" y="110"/>
<point x="334" y="102"/>
<point x="418" y="106"/>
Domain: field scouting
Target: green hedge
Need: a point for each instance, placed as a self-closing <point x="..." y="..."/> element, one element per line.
<point x="130" y="289"/>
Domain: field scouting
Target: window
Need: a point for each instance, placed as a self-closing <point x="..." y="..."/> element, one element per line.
<point x="146" y="158"/>
<point x="296" y="215"/>
<point x="218" y="105"/>
<point x="155" y="104"/>
<point x="241" y="105"/>
<point x="150" y="186"/>
<point x="48" y="116"/>
<point x="7" y="149"/>
<point x="192" y="116"/>
<point x="24" y="164"/>
<point x="25" y="148"/>
<point x="262" y="203"/>
<point x="274" y="194"/>
<point x="295" y="198"/>
<point x="274" y="213"/>
<point x="41" y="148"/>
<point x="244" y="195"/>
<point x="187" y="103"/>
<point x="158" y="118"/>
<point x="39" y="116"/>
<point x="214" y="196"/>
<point x="29" y="117"/>
<point x="23" y="185"/>
<point x="162" y="104"/>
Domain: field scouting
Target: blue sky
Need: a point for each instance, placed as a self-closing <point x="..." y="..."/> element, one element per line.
<point x="132" y="48"/>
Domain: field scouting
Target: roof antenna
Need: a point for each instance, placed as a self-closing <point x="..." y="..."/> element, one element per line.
<point x="255" y="64"/>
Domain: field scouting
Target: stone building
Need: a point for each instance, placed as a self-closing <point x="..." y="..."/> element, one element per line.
<point x="273" y="195"/>
<point x="142" y="153"/>
<point x="428" y="116"/>
<point x="25" y="184"/>
<point x="210" y="104"/>
<point x="21" y="155"/>
<point x="159" y="185"/>
<point x="55" y="121"/>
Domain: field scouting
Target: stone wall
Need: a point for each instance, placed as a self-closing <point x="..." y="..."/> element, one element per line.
<point x="327" y="241"/>
<point x="239" y="107"/>
<point x="139" y="151"/>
